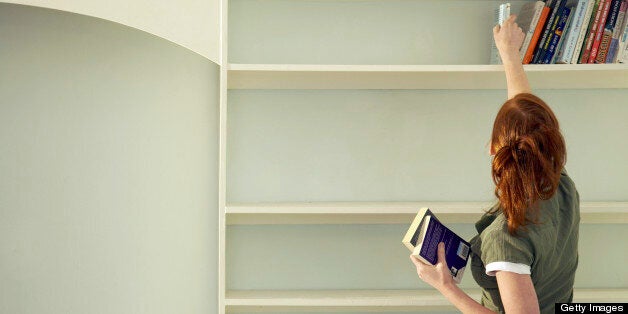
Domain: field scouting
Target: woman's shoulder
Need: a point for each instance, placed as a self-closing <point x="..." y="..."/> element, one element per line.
<point x="564" y="204"/>
<point x="498" y="229"/>
<point x="498" y="244"/>
<point x="526" y="235"/>
<point x="566" y="184"/>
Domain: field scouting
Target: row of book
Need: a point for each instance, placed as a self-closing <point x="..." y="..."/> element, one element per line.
<point x="571" y="31"/>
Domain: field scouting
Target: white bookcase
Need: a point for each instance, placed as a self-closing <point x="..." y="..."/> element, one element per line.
<point x="306" y="68"/>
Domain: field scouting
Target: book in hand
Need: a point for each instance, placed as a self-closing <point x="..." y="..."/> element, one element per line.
<point x="422" y="239"/>
<point x="501" y="14"/>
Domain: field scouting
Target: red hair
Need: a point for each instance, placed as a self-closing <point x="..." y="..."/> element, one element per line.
<point x="529" y="156"/>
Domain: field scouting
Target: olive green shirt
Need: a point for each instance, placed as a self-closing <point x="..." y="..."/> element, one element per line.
<point x="550" y="248"/>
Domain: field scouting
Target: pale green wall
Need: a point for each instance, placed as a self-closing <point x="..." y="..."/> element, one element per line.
<point x="372" y="257"/>
<point x="405" y="145"/>
<point x="397" y="146"/>
<point x="362" y="31"/>
<point x="108" y="169"/>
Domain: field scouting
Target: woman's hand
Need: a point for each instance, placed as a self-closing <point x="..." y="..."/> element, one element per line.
<point x="437" y="276"/>
<point x="508" y="38"/>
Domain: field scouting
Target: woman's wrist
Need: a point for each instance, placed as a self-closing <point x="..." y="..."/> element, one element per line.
<point x="510" y="55"/>
<point x="448" y="288"/>
<point x="461" y="300"/>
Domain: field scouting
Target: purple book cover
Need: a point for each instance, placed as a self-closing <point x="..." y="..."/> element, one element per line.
<point x="456" y="248"/>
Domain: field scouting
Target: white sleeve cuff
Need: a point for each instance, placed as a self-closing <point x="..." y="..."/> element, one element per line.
<point x="518" y="268"/>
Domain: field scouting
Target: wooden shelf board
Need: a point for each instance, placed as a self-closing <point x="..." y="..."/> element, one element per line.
<point x="391" y="212"/>
<point x="338" y="300"/>
<point x="372" y="300"/>
<point x="312" y="76"/>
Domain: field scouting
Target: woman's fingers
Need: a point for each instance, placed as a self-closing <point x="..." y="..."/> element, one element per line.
<point x="419" y="265"/>
<point x="417" y="262"/>
<point x="414" y="260"/>
<point x="511" y="19"/>
<point x="509" y="22"/>
<point x="441" y="254"/>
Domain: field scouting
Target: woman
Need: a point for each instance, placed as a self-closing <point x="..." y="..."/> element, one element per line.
<point x="525" y="255"/>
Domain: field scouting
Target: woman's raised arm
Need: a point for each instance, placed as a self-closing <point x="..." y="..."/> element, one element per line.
<point x="508" y="39"/>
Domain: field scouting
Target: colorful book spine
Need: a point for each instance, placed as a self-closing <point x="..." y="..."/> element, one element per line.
<point x="566" y="52"/>
<point x="622" y="52"/>
<point x="586" y="50"/>
<point x="584" y="29"/>
<point x="607" y="32"/>
<point x="560" y="48"/>
<point x="550" y="25"/>
<point x="548" y="42"/>
<point x="564" y="15"/>
<point x="598" y="32"/>
<point x="533" y="12"/>
<point x="619" y="26"/>
<point x="527" y="59"/>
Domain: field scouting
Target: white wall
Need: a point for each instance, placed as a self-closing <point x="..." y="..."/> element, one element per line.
<point x="108" y="168"/>
<point x="194" y="24"/>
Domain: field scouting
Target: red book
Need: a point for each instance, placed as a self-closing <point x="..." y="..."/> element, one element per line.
<point x="586" y="51"/>
<point x="535" y="36"/>
<point x="598" y="32"/>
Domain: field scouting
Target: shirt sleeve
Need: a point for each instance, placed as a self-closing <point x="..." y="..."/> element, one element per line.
<point x="518" y="268"/>
<point x="502" y="251"/>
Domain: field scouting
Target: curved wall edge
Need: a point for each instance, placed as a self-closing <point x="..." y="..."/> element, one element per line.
<point x="194" y="25"/>
<point x="109" y="146"/>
